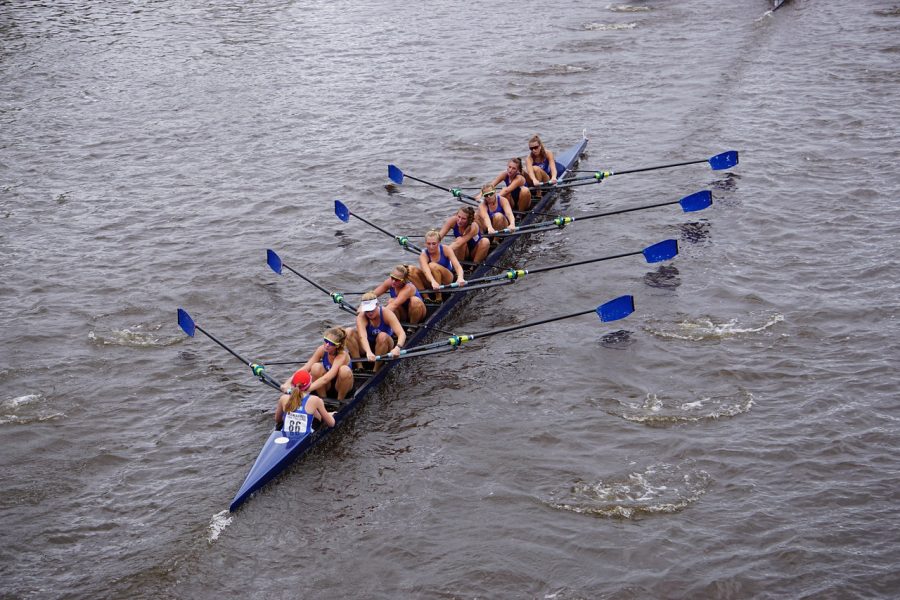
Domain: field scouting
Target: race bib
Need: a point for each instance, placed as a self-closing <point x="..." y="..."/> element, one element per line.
<point x="296" y="422"/>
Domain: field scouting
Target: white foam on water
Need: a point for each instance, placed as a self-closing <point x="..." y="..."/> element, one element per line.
<point x="627" y="8"/>
<point x="14" y="403"/>
<point x="657" y="489"/>
<point x="217" y="525"/>
<point x="609" y="26"/>
<point x="708" y="328"/>
<point x="137" y="336"/>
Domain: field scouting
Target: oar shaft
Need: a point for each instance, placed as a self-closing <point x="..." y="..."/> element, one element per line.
<point x="233" y="353"/>
<point x="582" y="262"/>
<point x="549" y="224"/>
<point x="263" y="376"/>
<point x="494" y="332"/>
<point x="641" y="170"/>
<point x="344" y="305"/>
<point x="408" y="246"/>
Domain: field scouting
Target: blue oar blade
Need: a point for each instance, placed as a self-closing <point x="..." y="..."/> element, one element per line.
<point x="726" y="160"/>
<point x="395" y="174"/>
<point x="273" y="260"/>
<point x="616" y="309"/>
<point x="661" y="251"/>
<point x="696" y="201"/>
<point x="342" y="212"/>
<point x="185" y="322"/>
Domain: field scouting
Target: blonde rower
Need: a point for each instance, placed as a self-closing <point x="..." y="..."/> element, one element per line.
<point x="406" y="301"/>
<point x="376" y="327"/>
<point x="329" y="366"/>
<point x="436" y="261"/>
<point x="494" y="212"/>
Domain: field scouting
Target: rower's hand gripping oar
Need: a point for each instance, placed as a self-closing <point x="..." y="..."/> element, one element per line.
<point x="396" y="175"/>
<point x="693" y="203"/>
<point x="343" y="213"/>
<point x="719" y="162"/>
<point x="658" y="252"/>
<point x="613" y="310"/>
<point x="275" y="263"/>
<point x="188" y="326"/>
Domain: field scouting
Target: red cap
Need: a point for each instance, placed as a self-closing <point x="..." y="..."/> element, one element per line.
<point x="301" y="378"/>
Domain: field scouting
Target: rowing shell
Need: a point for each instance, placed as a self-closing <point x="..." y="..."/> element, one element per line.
<point x="284" y="447"/>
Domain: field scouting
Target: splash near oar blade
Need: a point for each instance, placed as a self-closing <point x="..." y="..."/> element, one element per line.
<point x="341" y="210"/>
<point x="726" y="160"/>
<point x="395" y="174"/>
<point x="660" y="251"/>
<point x="186" y="322"/>
<point x="696" y="201"/>
<point x="274" y="261"/>
<point x="616" y="309"/>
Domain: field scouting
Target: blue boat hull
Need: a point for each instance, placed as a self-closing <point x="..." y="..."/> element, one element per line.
<point x="277" y="453"/>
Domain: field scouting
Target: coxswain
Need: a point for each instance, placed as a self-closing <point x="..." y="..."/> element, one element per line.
<point x="295" y="408"/>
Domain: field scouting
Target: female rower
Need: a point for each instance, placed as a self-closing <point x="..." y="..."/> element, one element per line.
<point x="436" y="261"/>
<point x="515" y="191"/>
<point x="329" y="366"/>
<point x="406" y="301"/>
<point x="468" y="245"/>
<point x="376" y="327"/>
<point x="295" y="408"/>
<point x="494" y="212"/>
<point x="540" y="166"/>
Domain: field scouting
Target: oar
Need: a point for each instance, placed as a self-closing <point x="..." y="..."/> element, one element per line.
<point x="343" y="213"/>
<point x="188" y="326"/>
<point x="396" y="175"/>
<point x="275" y="263"/>
<point x="719" y="162"/>
<point x="693" y="203"/>
<point x="658" y="252"/>
<point x="613" y="310"/>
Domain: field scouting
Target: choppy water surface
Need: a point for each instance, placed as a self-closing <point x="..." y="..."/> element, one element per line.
<point x="735" y="437"/>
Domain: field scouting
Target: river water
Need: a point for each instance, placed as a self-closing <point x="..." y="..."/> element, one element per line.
<point x="736" y="437"/>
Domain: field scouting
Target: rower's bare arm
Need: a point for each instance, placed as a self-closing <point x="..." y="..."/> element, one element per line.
<point x="382" y="287"/>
